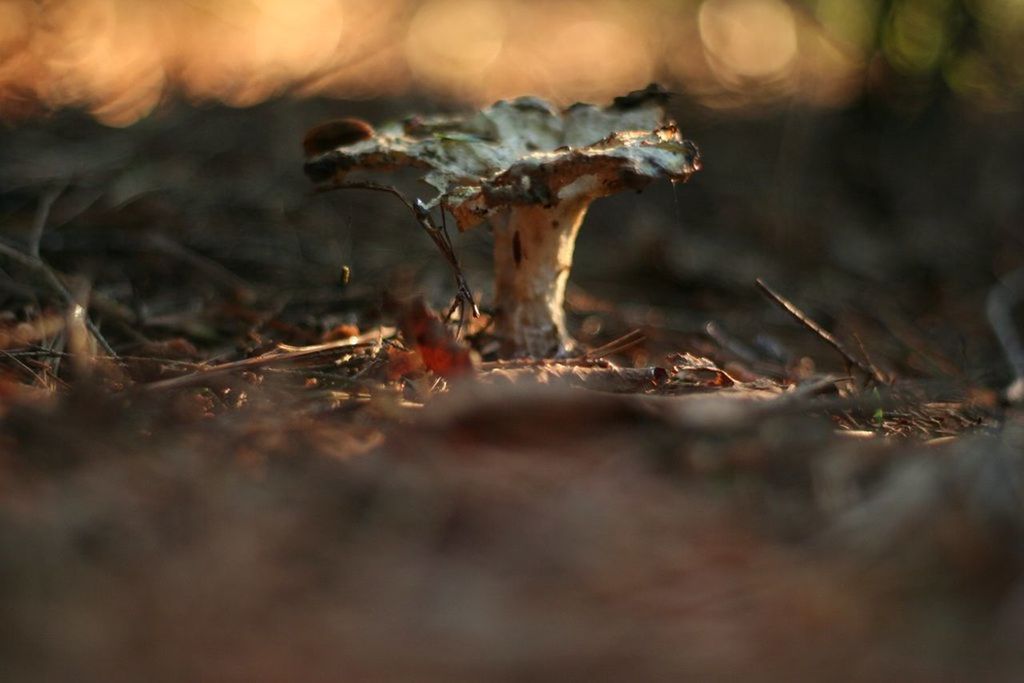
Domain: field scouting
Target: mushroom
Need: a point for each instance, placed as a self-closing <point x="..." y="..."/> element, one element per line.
<point x="531" y="172"/>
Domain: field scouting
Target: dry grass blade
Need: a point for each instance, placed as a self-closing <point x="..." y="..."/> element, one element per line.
<point x="54" y="282"/>
<point x="28" y="332"/>
<point x="464" y="300"/>
<point x="513" y="363"/>
<point x="274" y="358"/>
<point x="626" y="341"/>
<point x="826" y="336"/>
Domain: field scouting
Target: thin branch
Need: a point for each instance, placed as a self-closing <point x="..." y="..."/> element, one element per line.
<point x="53" y="280"/>
<point x="24" y="366"/>
<point x="626" y="341"/>
<point x="266" y="360"/>
<point x="826" y="336"/>
<point x="464" y="296"/>
<point x="439" y="235"/>
<point x="867" y="356"/>
<point x="513" y="363"/>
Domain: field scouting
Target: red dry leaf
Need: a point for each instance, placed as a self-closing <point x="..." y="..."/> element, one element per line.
<point x="403" y="363"/>
<point x="441" y="353"/>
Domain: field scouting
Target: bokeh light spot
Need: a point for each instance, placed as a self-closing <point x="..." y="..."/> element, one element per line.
<point x="748" y="39"/>
<point x="454" y="42"/>
<point x="915" y="36"/>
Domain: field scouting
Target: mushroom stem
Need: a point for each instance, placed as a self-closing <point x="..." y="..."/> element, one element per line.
<point x="533" y="247"/>
<point x="529" y="170"/>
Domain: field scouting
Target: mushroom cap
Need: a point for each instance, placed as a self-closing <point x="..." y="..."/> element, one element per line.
<point x="523" y="152"/>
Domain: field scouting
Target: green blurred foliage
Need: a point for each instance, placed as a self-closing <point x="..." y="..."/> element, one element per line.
<point x="920" y="49"/>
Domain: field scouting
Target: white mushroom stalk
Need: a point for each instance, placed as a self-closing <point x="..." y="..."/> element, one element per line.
<point x="531" y="173"/>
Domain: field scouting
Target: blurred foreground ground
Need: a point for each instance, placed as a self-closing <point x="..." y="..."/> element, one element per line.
<point x="297" y="525"/>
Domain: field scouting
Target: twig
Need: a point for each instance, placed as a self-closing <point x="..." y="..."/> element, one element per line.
<point x="377" y="336"/>
<point x="464" y="295"/>
<point x="50" y="276"/>
<point x="814" y="387"/>
<point x="867" y="356"/>
<point x="817" y="329"/>
<point x="24" y="366"/>
<point x="628" y="340"/>
<point x="439" y="235"/>
<point x="516" y="363"/>
<point x="273" y="358"/>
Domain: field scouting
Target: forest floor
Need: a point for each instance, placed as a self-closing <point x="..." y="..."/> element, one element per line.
<point x="221" y="459"/>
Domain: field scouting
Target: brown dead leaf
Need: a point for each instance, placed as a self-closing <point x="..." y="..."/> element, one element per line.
<point x="402" y="363"/>
<point x="440" y="352"/>
<point x="30" y="331"/>
<point x="691" y="369"/>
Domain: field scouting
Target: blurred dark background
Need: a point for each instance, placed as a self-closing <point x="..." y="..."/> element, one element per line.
<point x="863" y="157"/>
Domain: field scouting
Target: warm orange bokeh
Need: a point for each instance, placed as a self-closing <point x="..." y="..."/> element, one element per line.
<point x="119" y="58"/>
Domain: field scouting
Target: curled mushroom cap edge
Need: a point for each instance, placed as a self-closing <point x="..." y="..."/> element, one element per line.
<point x="531" y="172"/>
